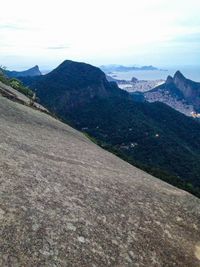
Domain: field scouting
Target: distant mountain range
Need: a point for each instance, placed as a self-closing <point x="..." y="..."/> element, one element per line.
<point x="152" y="136"/>
<point x="121" y="68"/>
<point x="30" y="72"/>
<point x="178" y="92"/>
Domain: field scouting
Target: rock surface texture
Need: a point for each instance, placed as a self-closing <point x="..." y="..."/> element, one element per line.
<point x="14" y="95"/>
<point x="66" y="202"/>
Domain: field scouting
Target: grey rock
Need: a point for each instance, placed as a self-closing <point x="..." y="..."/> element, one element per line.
<point x="14" y="95"/>
<point x="66" y="202"/>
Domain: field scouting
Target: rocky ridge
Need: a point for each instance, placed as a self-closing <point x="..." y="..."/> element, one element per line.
<point x="34" y="71"/>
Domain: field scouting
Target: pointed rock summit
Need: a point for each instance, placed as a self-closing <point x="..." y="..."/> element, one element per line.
<point x="167" y="92"/>
<point x="180" y="89"/>
<point x="189" y="89"/>
<point x="179" y="80"/>
<point x="35" y="68"/>
<point x="179" y="75"/>
<point x="169" y="80"/>
<point x="34" y="71"/>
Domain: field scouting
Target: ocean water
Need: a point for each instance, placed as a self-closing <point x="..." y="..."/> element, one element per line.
<point x="190" y="72"/>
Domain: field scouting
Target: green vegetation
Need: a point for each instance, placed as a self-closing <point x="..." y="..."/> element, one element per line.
<point x="16" y="84"/>
<point x="156" y="172"/>
<point x="153" y="137"/>
<point x="3" y="78"/>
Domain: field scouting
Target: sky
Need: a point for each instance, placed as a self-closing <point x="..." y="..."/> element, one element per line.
<point x="128" y="32"/>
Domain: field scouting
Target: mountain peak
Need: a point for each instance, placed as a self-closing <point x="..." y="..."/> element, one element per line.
<point x="169" y="79"/>
<point x="78" y="82"/>
<point x="69" y="67"/>
<point x="34" y="71"/>
<point x="179" y="75"/>
<point x="36" y="67"/>
<point x="182" y="90"/>
<point x="179" y="81"/>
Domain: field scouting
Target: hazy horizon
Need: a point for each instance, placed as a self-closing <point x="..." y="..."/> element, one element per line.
<point x="45" y="68"/>
<point x="99" y="32"/>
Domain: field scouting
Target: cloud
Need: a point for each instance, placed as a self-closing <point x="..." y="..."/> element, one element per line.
<point x="59" y="47"/>
<point x="126" y="31"/>
<point x="11" y="27"/>
<point x="188" y="38"/>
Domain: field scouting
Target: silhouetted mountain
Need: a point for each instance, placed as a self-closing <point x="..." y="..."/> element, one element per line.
<point x="152" y="136"/>
<point x="177" y="92"/>
<point x="30" y="72"/>
<point x="71" y="85"/>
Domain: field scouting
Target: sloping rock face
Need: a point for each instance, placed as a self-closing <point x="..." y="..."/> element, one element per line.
<point x="66" y="202"/>
<point x="14" y="95"/>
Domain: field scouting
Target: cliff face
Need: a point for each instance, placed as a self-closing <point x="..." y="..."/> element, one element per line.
<point x="66" y="202"/>
<point x="190" y="89"/>
<point x="177" y="92"/>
